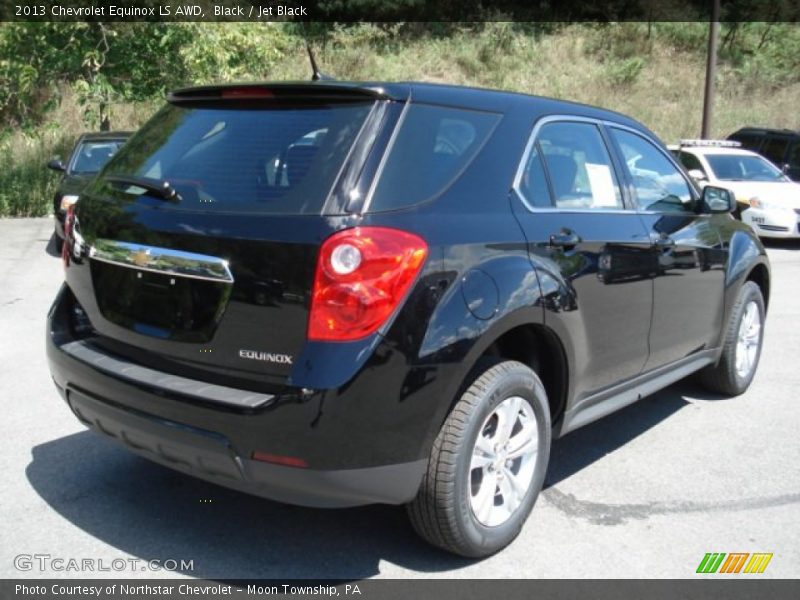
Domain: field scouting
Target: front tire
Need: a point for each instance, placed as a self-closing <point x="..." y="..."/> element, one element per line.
<point x="487" y="465"/>
<point x="741" y="349"/>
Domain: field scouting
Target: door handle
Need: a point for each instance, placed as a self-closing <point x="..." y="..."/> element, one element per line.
<point x="565" y="239"/>
<point x="664" y="241"/>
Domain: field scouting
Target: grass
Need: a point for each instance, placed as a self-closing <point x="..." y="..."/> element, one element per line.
<point x="656" y="78"/>
<point x="26" y="185"/>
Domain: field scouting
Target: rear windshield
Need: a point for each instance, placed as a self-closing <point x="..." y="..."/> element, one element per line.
<point x="276" y="160"/>
<point x="432" y="148"/>
<point x="90" y="157"/>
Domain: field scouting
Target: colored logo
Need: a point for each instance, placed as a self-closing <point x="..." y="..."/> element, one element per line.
<point x="735" y="562"/>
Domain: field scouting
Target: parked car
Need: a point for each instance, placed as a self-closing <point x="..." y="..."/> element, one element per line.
<point x="442" y="295"/>
<point x="781" y="146"/>
<point x="767" y="200"/>
<point x="90" y="154"/>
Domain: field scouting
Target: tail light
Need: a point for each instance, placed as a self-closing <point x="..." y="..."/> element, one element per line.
<point x="247" y="93"/>
<point x="362" y="276"/>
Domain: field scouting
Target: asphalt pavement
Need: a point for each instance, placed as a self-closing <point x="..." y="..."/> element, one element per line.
<point x="645" y="492"/>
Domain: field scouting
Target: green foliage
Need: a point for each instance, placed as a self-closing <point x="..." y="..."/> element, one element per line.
<point x="624" y="72"/>
<point x="26" y="186"/>
<point x="111" y="63"/>
<point x="231" y="52"/>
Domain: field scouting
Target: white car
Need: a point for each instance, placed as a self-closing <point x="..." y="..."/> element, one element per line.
<point x="767" y="200"/>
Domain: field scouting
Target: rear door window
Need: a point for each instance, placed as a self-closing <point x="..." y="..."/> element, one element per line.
<point x="281" y="160"/>
<point x="578" y="166"/>
<point x="775" y="149"/>
<point x="533" y="184"/>
<point x="433" y="146"/>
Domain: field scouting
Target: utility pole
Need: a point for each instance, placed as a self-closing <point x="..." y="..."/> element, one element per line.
<point x="711" y="70"/>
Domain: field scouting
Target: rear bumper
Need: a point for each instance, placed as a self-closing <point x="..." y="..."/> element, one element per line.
<point x="216" y="441"/>
<point x="211" y="456"/>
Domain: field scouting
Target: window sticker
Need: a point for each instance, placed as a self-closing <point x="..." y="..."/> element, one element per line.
<point x="602" y="185"/>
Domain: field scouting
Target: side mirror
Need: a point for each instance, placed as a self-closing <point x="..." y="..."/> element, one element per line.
<point x="697" y="175"/>
<point x="785" y="168"/>
<point x="717" y="200"/>
<point x="56" y="165"/>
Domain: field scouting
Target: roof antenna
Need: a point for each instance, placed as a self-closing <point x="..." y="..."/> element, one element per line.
<point x="316" y="74"/>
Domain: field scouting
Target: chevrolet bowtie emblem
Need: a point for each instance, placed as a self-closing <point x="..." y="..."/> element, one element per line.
<point x="141" y="258"/>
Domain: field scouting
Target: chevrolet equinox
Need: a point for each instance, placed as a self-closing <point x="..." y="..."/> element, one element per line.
<point x="335" y="294"/>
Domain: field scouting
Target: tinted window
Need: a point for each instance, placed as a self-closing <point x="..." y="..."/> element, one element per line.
<point x="659" y="185"/>
<point x="748" y="140"/>
<point x="794" y="161"/>
<point x="794" y="155"/>
<point x="690" y="161"/>
<point x="434" y="144"/>
<point x="533" y="185"/>
<point x="281" y="160"/>
<point x="775" y="149"/>
<point x="90" y="157"/>
<point x="578" y="166"/>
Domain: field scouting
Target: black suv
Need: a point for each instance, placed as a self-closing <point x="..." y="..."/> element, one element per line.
<point x="781" y="146"/>
<point x="337" y="294"/>
<point x="91" y="153"/>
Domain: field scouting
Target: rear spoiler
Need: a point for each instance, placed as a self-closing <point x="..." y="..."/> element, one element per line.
<point x="251" y="92"/>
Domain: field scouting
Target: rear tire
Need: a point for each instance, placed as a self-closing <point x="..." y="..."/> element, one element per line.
<point x="741" y="351"/>
<point x="487" y="465"/>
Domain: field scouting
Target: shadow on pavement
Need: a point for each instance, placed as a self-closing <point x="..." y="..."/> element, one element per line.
<point x="579" y="449"/>
<point x="151" y="512"/>
<point x="780" y="244"/>
<point x="52" y="247"/>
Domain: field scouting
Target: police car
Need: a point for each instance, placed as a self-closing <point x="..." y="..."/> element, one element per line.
<point x="767" y="199"/>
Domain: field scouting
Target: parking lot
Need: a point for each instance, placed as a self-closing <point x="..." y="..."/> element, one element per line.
<point x="645" y="492"/>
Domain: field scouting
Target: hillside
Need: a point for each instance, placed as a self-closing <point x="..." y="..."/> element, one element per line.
<point x="652" y="72"/>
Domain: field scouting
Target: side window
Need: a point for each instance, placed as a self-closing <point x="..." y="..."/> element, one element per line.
<point x="658" y="184"/>
<point x="533" y="185"/>
<point x="690" y="161"/>
<point x="747" y="140"/>
<point x="794" y="155"/>
<point x="775" y="148"/>
<point x="579" y="167"/>
<point x="793" y="160"/>
<point x="433" y="146"/>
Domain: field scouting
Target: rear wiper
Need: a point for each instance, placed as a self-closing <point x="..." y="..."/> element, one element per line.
<point x="157" y="187"/>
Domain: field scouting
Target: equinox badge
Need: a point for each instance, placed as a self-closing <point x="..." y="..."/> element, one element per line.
<point x="266" y="356"/>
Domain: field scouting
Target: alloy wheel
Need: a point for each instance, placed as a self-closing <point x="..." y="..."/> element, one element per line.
<point x="503" y="461"/>
<point x="748" y="340"/>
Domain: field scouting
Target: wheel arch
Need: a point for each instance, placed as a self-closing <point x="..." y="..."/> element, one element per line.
<point x="760" y="275"/>
<point x="747" y="261"/>
<point x="520" y="336"/>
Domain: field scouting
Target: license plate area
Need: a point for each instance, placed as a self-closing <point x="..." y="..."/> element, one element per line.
<point x="162" y="305"/>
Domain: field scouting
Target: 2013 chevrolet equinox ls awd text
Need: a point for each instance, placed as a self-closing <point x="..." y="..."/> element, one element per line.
<point x="335" y="294"/>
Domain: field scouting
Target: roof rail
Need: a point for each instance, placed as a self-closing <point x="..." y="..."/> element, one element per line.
<point x="711" y="143"/>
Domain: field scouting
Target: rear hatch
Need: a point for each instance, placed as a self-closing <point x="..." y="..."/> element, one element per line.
<point x="197" y="244"/>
